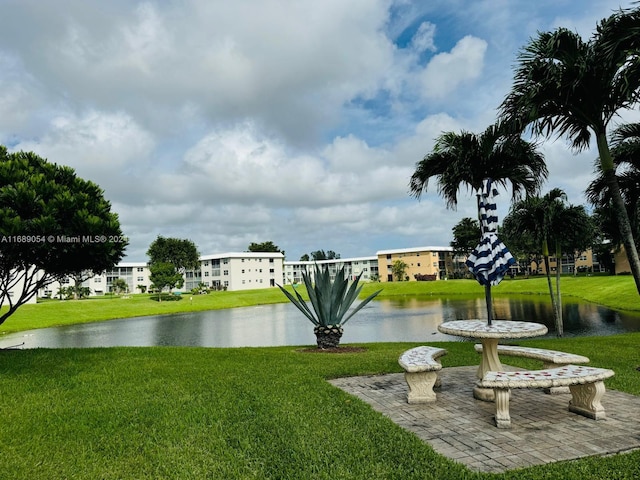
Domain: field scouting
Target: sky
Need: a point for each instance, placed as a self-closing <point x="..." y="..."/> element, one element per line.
<point x="293" y="121"/>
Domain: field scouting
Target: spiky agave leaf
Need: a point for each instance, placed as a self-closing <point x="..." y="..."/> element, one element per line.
<point x="330" y="300"/>
<point x="300" y="303"/>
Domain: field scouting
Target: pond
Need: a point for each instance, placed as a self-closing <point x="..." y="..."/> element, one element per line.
<point x="407" y="320"/>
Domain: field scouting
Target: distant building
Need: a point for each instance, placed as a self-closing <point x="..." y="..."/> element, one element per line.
<point x="436" y="262"/>
<point x="584" y="262"/>
<point x="238" y="271"/>
<point x="368" y="266"/>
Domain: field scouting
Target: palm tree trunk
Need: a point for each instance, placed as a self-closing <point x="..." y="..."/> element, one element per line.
<point x="606" y="162"/>
<point x="559" y="323"/>
<point x="545" y="256"/>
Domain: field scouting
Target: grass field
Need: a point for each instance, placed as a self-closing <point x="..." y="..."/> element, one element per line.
<point x="252" y="413"/>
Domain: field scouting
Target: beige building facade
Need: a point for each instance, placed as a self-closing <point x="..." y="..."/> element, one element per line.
<point x="434" y="262"/>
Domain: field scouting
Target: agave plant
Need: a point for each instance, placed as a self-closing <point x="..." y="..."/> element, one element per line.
<point x="330" y="303"/>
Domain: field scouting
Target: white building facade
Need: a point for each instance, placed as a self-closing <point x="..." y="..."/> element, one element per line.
<point x="368" y="266"/>
<point x="240" y="270"/>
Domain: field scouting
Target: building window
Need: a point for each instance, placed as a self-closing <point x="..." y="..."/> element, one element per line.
<point x="206" y="274"/>
<point x="140" y="269"/>
<point x="140" y="279"/>
<point x="226" y="272"/>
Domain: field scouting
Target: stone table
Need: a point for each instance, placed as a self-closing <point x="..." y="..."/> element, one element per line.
<point x="489" y="336"/>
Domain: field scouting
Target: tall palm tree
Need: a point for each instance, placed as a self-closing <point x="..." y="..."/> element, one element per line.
<point x="467" y="159"/>
<point x="566" y="86"/>
<point x="557" y="228"/>
<point x="625" y="152"/>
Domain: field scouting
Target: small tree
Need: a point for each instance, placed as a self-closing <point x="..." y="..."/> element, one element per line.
<point x="164" y="275"/>
<point x="398" y="269"/>
<point x="142" y="288"/>
<point x="119" y="286"/>
<point x="466" y="234"/>
<point x="169" y="258"/>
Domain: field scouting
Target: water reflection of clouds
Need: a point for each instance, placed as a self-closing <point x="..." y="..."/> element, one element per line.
<point x="398" y="320"/>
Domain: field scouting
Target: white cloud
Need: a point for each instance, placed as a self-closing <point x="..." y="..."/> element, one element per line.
<point x="298" y="122"/>
<point x="423" y="40"/>
<point x="448" y="70"/>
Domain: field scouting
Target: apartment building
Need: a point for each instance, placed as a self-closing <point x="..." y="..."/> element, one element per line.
<point x="436" y="262"/>
<point x="353" y="267"/>
<point x="135" y="274"/>
<point x="584" y="262"/>
<point x="239" y="270"/>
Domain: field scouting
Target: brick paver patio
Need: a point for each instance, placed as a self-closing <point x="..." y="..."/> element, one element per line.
<point x="461" y="427"/>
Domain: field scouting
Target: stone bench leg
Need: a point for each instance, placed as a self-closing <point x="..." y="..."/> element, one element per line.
<point x="502" y="418"/>
<point x="554" y="390"/>
<point x="421" y="386"/>
<point x="585" y="400"/>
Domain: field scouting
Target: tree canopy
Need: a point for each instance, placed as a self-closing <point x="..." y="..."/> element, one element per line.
<point x="466" y="235"/>
<point x="181" y="253"/>
<point x="322" y="255"/>
<point x="52" y="224"/>
<point x="466" y="159"/>
<point x="566" y="86"/>
<point x="268" y="246"/>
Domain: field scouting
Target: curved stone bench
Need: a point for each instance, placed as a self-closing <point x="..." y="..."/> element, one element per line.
<point x="549" y="359"/>
<point x="585" y="383"/>
<point x="421" y="367"/>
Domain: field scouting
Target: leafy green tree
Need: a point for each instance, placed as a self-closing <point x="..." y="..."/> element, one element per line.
<point x="304" y="258"/>
<point x="567" y="86"/>
<point x="264" y="247"/>
<point x="169" y="258"/>
<point x="466" y="234"/>
<point x="52" y="224"/>
<point x="398" y="270"/>
<point x="142" y="288"/>
<point x="557" y="228"/>
<point x="322" y="255"/>
<point x="119" y="285"/>
<point x="181" y="253"/>
<point x="163" y="275"/>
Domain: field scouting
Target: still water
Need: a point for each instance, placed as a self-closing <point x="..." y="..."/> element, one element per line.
<point x="410" y="320"/>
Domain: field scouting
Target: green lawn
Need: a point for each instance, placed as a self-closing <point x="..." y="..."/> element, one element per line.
<point x="251" y="413"/>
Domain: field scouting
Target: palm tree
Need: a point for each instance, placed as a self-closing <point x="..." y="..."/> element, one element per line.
<point x="625" y="151"/>
<point x="468" y="159"/>
<point x="552" y="224"/>
<point x="566" y="86"/>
